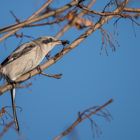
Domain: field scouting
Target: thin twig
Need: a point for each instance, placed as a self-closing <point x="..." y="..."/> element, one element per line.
<point x="14" y="28"/>
<point x="69" y="25"/>
<point x="6" y="128"/>
<point x="56" y="76"/>
<point x="108" y="13"/>
<point x="40" y="9"/>
<point x="38" y="18"/>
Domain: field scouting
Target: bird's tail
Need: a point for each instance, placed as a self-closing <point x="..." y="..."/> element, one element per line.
<point x="13" y="92"/>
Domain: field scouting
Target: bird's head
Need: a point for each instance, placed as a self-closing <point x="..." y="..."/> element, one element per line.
<point x="51" y="41"/>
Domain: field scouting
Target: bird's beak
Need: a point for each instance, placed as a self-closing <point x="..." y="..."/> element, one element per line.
<point x="63" y="42"/>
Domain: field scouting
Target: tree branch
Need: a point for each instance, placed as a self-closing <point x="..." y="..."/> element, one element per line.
<point x="38" y="18"/>
<point x="40" y="9"/>
<point x="69" y="25"/>
<point x="81" y="118"/>
<point x="59" y="55"/>
<point x="14" y="28"/>
<point x="133" y="10"/>
<point x="6" y="128"/>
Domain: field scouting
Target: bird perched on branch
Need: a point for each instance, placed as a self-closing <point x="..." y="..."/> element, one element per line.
<point x="25" y="58"/>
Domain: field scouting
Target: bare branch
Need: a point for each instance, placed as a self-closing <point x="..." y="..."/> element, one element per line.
<point x="58" y="56"/>
<point x="111" y="13"/>
<point x="81" y="118"/>
<point x="36" y="19"/>
<point x="56" y="76"/>
<point x="133" y="10"/>
<point x="69" y="25"/>
<point x="41" y="9"/>
<point x="14" y="28"/>
<point x="6" y="128"/>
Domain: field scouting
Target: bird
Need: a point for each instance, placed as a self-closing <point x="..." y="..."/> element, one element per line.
<point x="25" y="58"/>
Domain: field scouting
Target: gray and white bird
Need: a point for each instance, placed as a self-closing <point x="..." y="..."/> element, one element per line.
<point x="25" y="58"/>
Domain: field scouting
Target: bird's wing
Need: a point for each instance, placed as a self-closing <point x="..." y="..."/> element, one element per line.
<point x="20" y="51"/>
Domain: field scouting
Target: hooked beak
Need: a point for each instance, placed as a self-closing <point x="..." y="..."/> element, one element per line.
<point x="63" y="42"/>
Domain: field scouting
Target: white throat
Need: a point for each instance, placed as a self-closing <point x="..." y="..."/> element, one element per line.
<point x="47" y="48"/>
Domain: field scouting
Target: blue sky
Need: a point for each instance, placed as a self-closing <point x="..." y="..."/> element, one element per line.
<point x="50" y="105"/>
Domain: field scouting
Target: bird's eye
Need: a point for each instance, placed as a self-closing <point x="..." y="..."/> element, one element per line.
<point x="50" y="40"/>
<point x="46" y="41"/>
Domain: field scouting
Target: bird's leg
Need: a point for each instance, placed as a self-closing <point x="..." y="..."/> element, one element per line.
<point x="39" y="69"/>
<point x="56" y="76"/>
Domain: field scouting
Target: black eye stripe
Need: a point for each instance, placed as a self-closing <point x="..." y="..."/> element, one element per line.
<point x="47" y="41"/>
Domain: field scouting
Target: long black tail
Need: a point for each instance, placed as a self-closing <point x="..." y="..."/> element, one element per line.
<point x="14" y="108"/>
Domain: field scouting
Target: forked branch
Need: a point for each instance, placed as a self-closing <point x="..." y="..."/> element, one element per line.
<point x="81" y="118"/>
<point x="59" y="55"/>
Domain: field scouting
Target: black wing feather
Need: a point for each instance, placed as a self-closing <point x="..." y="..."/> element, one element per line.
<point x="14" y="56"/>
